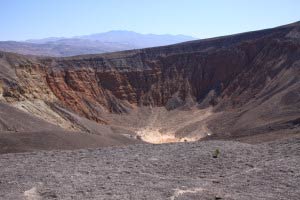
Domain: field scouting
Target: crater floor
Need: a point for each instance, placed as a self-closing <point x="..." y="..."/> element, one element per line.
<point x="159" y="125"/>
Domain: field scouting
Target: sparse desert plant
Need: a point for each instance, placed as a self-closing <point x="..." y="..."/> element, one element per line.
<point x="216" y="153"/>
<point x="138" y="137"/>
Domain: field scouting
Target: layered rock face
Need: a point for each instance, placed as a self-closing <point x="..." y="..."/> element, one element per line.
<point x="233" y="73"/>
<point x="240" y="73"/>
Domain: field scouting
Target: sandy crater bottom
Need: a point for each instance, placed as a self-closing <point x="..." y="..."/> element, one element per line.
<point x="175" y="126"/>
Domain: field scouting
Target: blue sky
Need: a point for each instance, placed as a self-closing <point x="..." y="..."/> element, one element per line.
<point x="26" y="19"/>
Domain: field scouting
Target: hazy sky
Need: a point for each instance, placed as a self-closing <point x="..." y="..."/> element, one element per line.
<point x="24" y="19"/>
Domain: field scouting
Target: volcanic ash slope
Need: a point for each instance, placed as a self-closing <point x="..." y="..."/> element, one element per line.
<point x="168" y="171"/>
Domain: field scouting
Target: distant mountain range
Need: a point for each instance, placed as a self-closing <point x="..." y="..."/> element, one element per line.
<point x="91" y="44"/>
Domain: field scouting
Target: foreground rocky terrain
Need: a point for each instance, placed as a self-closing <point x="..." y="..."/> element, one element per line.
<point x="169" y="171"/>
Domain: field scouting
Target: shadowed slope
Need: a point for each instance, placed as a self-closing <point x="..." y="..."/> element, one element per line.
<point x="20" y="131"/>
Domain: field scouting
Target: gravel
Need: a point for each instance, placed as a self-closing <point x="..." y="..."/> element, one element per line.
<point x="167" y="171"/>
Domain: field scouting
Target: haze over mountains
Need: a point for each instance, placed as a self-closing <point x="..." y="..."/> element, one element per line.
<point x="91" y="44"/>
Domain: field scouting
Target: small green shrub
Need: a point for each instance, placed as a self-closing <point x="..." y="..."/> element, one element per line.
<point x="216" y="153"/>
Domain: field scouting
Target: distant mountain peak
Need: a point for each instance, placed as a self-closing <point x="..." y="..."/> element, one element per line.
<point x="128" y="36"/>
<point x="115" y="40"/>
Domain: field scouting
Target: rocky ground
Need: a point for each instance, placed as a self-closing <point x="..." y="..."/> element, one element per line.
<point x="168" y="171"/>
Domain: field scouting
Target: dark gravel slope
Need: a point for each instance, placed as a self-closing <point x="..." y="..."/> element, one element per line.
<point x="21" y="132"/>
<point x="168" y="171"/>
